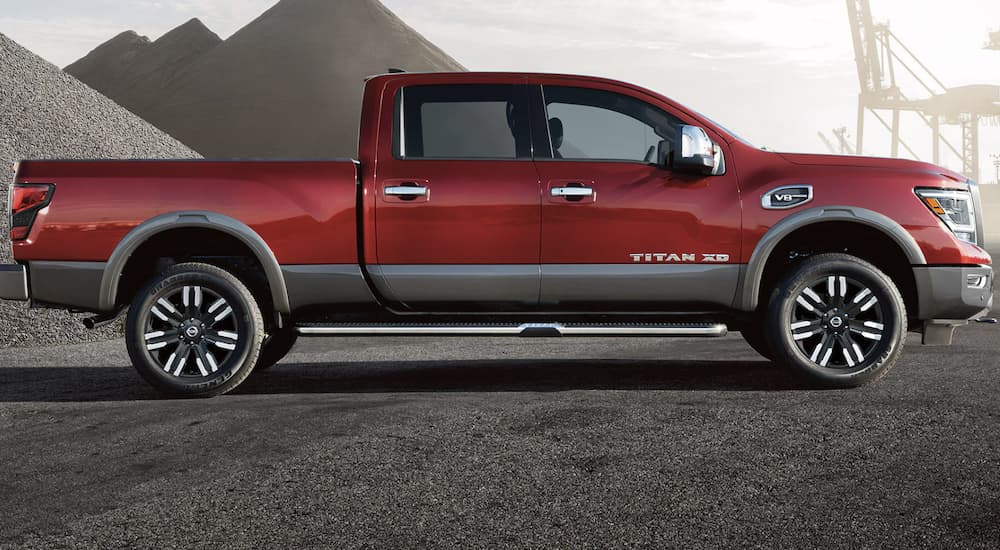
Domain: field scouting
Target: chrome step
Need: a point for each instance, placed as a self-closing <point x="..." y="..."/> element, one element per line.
<point x="526" y="330"/>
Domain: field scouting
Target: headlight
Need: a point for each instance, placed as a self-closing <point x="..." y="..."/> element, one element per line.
<point x="956" y="210"/>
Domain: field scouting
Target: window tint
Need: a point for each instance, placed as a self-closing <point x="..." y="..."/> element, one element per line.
<point x="586" y="124"/>
<point x="462" y="122"/>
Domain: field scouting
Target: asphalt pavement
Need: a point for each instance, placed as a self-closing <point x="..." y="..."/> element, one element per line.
<point x="503" y="443"/>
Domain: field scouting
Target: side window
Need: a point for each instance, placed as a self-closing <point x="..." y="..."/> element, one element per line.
<point x="462" y="122"/>
<point x="588" y="124"/>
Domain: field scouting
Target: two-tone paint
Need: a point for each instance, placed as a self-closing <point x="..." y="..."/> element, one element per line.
<point x="487" y="233"/>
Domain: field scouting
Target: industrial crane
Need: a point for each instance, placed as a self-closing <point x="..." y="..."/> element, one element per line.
<point x="843" y="146"/>
<point x="829" y="144"/>
<point x="878" y="52"/>
<point x="845" y="142"/>
<point x="994" y="44"/>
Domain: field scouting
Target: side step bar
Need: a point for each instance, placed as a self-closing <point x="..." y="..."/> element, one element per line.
<point x="526" y="330"/>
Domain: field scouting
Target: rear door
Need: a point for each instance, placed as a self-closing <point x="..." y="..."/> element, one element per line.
<point x="457" y="212"/>
<point x="619" y="231"/>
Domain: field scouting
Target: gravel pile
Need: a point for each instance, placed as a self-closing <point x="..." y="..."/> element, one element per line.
<point x="135" y="72"/>
<point x="287" y="85"/>
<point x="45" y="113"/>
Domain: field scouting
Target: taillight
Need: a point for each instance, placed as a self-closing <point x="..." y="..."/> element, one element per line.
<point x="26" y="199"/>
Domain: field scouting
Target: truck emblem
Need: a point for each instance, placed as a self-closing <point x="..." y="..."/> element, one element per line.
<point x="787" y="197"/>
<point x="665" y="258"/>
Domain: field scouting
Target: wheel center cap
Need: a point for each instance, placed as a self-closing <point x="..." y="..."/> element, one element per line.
<point x="192" y="331"/>
<point x="836" y="322"/>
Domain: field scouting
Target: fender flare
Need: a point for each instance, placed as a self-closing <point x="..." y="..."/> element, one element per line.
<point x="754" y="272"/>
<point x="192" y="219"/>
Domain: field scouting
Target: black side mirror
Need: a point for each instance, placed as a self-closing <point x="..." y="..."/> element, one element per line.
<point x="693" y="153"/>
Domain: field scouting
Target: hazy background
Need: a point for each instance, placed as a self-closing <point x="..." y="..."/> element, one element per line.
<point x="776" y="71"/>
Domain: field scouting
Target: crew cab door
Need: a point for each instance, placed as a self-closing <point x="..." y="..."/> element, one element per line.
<point x="621" y="232"/>
<point x="457" y="205"/>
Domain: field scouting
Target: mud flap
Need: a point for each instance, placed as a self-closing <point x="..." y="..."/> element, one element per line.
<point x="939" y="333"/>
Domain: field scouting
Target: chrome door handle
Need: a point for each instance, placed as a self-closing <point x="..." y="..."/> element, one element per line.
<point x="572" y="192"/>
<point x="406" y="191"/>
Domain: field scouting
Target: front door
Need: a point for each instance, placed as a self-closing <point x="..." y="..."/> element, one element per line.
<point x="619" y="231"/>
<point x="457" y="212"/>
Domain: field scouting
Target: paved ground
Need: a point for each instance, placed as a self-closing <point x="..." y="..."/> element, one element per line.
<point x="503" y="443"/>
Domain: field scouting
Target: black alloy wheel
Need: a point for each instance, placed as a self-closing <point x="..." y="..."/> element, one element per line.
<point x="838" y="320"/>
<point x="195" y="330"/>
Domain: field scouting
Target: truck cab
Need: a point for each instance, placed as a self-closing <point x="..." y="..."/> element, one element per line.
<point x="501" y="191"/>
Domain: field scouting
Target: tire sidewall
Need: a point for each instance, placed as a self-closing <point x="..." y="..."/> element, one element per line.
<point x="243" y="356"/>
<point x="783" y="302"/>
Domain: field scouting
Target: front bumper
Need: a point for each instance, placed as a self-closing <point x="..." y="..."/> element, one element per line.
<point x="13" y="282"/>
<point x="951" y="296"/>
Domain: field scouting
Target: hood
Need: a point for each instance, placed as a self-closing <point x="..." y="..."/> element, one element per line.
<point x="899" y="165"/>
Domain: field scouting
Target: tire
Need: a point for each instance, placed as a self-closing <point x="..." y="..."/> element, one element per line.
<point x="194" y="331"/>
<point x="756" y="336"/>
<point x="837" y="320"/>
<point x="276" y="347"/>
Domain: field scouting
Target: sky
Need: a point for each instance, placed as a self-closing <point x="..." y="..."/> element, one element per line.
<point x="774" y="71"/>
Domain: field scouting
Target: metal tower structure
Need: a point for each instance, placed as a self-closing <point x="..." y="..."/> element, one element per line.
<point x="844" y="140"/>
<point x="829" y="144"/>
<point x="843" y="146"/>
<point x="881" y="56"/>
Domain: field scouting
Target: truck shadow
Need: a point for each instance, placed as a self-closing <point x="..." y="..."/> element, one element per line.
<point x="522" y="375"/>
<point x="97" y="384"/>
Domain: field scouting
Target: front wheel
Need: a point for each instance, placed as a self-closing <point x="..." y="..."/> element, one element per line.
<point x="194" y="331"/>
<point x="838" y="320"/>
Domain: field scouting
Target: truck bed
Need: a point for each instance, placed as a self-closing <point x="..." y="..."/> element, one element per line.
<point x="303" y="210"/>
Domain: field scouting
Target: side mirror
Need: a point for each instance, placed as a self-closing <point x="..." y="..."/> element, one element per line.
<point x="694" y="152"/>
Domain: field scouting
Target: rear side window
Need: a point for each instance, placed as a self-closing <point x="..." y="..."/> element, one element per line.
<point x="462" y="122"/>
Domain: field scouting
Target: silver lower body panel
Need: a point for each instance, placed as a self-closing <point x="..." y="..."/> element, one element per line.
<point x="954" y="292"/>
<point x="13" y="282"/>
<point x="76" y="285"/>
<point x="555" y="284"/>
<point x="640" y="284"/>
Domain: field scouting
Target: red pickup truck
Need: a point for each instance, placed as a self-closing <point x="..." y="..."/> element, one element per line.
<point x="508" y="205"/>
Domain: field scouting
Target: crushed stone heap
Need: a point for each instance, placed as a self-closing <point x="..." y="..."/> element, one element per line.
<point x="46" y="113"/>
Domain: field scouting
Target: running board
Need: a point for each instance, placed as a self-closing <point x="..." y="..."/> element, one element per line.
<point x="525" y="330"/>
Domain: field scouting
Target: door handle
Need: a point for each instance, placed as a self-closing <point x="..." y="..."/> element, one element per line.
<point x="570" y="192"/>
<point x="406" y="191"/>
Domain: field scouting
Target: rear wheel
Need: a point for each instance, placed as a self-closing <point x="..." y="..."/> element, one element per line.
<point x="194" y="331"/>
<point x="837" y="320"/>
